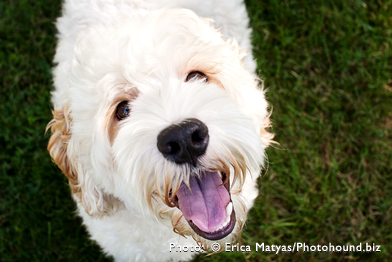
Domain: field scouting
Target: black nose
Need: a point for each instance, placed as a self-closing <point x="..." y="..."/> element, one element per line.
<point x="184" y="142"/>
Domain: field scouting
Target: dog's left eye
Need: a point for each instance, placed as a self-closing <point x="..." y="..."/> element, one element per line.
<point x="123" y="110"/>
<point x="196" y="75"/>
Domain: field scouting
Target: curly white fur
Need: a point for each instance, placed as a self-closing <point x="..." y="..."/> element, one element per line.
<point x="141" y="51"/>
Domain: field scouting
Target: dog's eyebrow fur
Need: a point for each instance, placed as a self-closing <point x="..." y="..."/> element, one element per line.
<point x="111" y="121"/>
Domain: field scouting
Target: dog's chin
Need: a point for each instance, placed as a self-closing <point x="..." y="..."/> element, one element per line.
<point x="206" y="205"/>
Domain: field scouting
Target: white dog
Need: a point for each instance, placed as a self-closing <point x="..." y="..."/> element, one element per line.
<point x="159" y="123"/>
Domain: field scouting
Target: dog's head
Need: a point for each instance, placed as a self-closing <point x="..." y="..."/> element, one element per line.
<point x="159" y="114"/>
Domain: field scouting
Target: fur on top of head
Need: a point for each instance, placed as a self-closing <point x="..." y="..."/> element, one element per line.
<point x="113" y="163"/>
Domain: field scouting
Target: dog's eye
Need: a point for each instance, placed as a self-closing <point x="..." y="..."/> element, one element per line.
<point x="196" y="75"/>
<point x="123" y="110"/>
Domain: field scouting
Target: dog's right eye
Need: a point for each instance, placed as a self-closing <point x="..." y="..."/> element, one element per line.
<point x="123" y="110"/>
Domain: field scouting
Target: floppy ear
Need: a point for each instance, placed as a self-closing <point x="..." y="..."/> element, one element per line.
<point x="93" y="199"/>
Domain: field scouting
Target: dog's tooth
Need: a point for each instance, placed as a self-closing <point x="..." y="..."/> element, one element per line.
<point x="229" y="209"/>
<point x="224" y="224"/>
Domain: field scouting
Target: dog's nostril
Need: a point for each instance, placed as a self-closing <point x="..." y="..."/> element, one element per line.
<point x="184" y="142"/>
<point x="197" y="136"/>
<point x="172" y="148"/>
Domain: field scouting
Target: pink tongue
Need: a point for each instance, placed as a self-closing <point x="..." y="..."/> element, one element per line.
<point x="206" y="204"/>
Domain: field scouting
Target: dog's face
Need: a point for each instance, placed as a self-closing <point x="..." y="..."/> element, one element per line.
<point x="161" y="115"/>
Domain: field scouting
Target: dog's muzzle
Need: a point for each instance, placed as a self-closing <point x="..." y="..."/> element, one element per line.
<point x="205" y="202"/>
<point x="184" y="142"/>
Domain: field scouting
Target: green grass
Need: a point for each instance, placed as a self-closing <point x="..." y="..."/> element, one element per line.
<point x="328" y="69"/>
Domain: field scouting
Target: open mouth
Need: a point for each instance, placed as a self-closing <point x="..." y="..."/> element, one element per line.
<point x="206" y="205"/>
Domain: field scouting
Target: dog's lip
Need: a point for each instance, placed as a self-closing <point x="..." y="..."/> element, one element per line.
<point x="227" y="227"/>
<point x="218" y="234"/>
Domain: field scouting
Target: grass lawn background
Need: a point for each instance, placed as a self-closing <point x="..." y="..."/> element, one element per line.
<point x="327" y="66"/>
